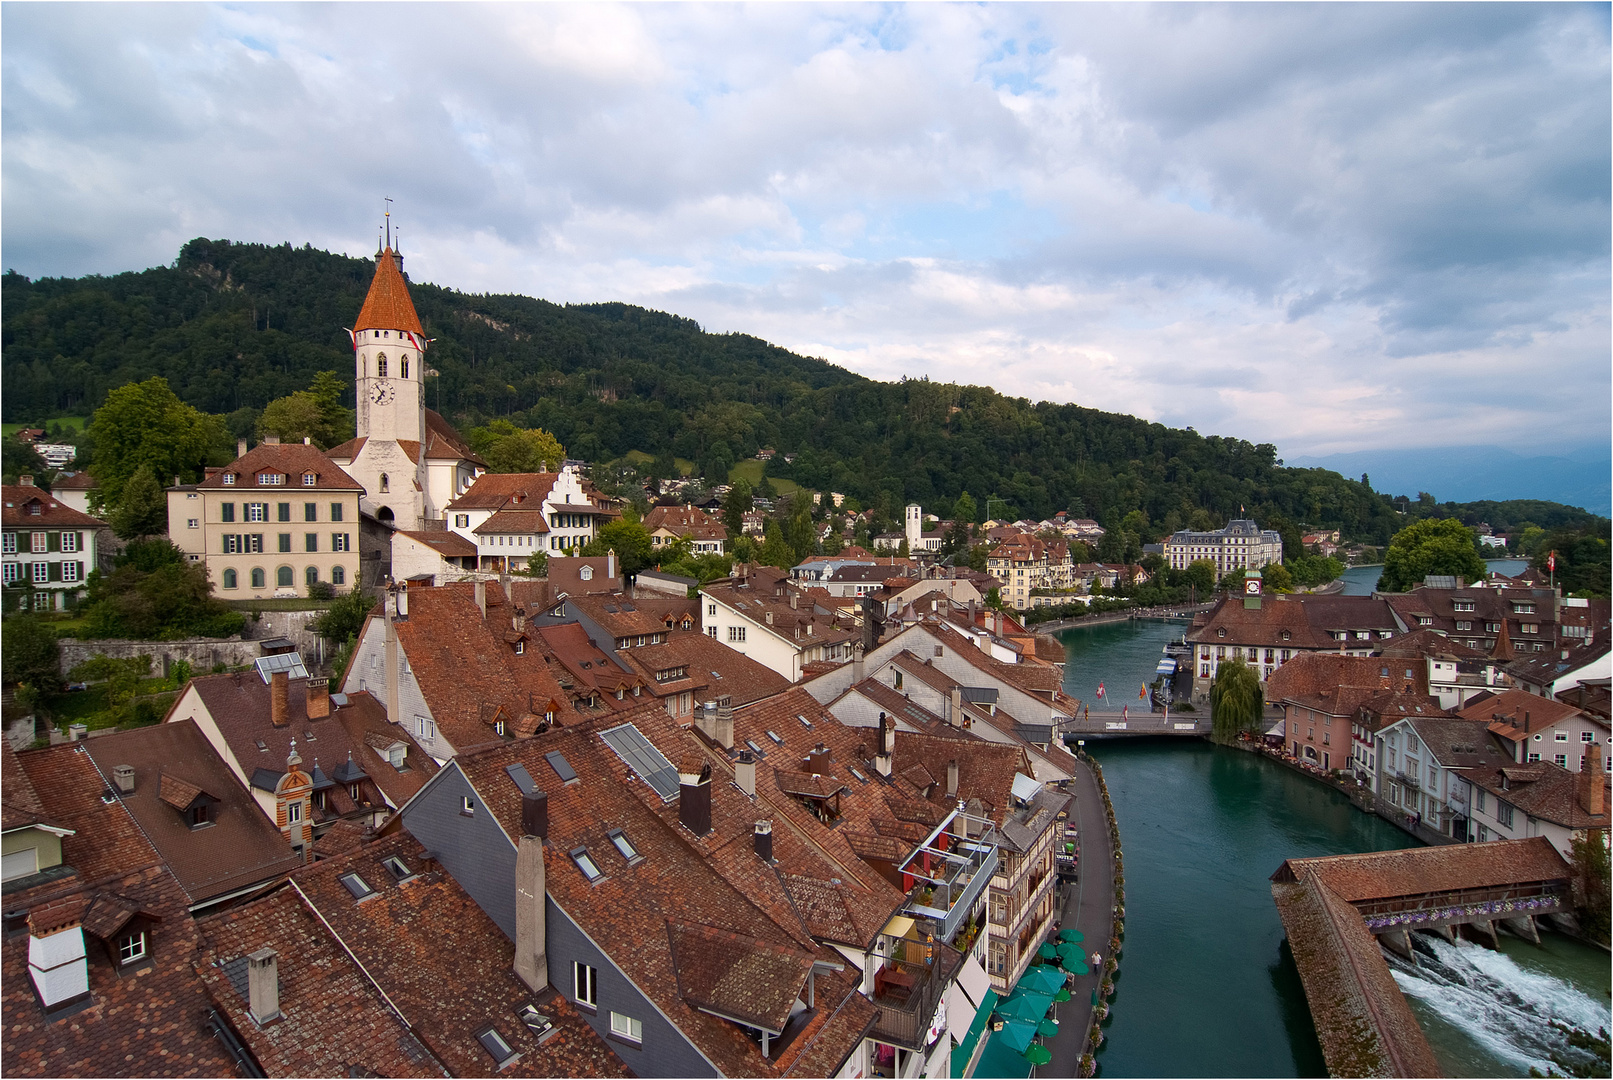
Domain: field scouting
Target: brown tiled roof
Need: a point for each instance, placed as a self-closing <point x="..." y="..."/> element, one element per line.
<point x="19" y="802"/>
<point x="387" y="305"/>
<point x="755" y="982"/>
<point x="495" y="491"/>
<point x="333" y="1020"/>
<point x="1544" y="790"/>
<point x="445" y="964"/>
<point x="685" y="521"/>
<point x="619" y="615"/>
<point x="1309" y="622"/>
<point x="52" y="513"/>
<point x="1338" y="684"/>
<point x="447" y="544"/>
<point x="1457" y="743"/>
<point x="730" y="674"/>
<point x="348" y="450"/>
<point x="1383" y="874"/>
<point x="290" y="460"/>
<point x="177" y="793"/>
<point x="444" y="443"/>
<point x="239" y="706"/>
<point x="240" y="847"/>
<point x="514" y="521"/>
<point x="136" y="1024"/>
<point x="107" y="841"/>
<point x="1426" y="643"/>
<point x="79" y="481"/>
<point x="1517" y="714"/>
<point x="565" y="575"/>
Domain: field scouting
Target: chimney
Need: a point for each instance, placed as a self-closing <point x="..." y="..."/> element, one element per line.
<point x="481" y="598"/>
<point x="817" y="761"/>
<point x="318" y="699"/>
<point x="504" y="582"/>
<point x="123" y="776"/>
<point x="393" y="707"/>
<point x="955" y="717"/>
<point x="856" y="663"/>
<point x="240" y="448"/>
<point x="952" y="779"/>
<point x="1592" y="793"/>
<point x="535" y="815"/>
<point x="263" y="985"/>
<point x="724" y="733"/>
<point x="610" y="564"/>
<point x="694" y="796"/>
<point x="279" y="699"/>
<point x="531" y="918"/>
<point x="403" y="602"/>
<point x="745" y="773"/>
<point x="176" y="480"/>
<point x="307" y="440"/>
<point x="764" y="841"/>
<point x="26" y="480"/>
<point x="795" y="601"/>
<point x="887" y="743"/>
<point x="705" y="718"/>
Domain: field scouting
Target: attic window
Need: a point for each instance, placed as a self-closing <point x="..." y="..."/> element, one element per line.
<point x="357" y="886"/>
<point x="1286" y="635"/>
<point x="562" y="768"/>
<point x="263" y="747"/>
<point x="397" y="868"/>
<point x="467" y="805"/>
<point x="757" y="750"/>
<point x="271" y="479"/>
<point x="585" y="863"/>
<point x="520" y="648"/>
<point x="858" y="774"/>
<point x="537" y="1023"/>
<point x="1220" y="631"/>
<point x="625" y="846"/>
<point x="501" y="1051"/>
<point x="199" y="814"/>
<point x="228" y="479"/>
<point x="801" y="717"/>
<point x="775" y="736"/>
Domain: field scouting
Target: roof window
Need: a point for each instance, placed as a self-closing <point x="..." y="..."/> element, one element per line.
<point x="357" y="886"/>
<point x="757" y="750"/>
<point x="263" y="747"/>
<point x="775" y="736"/>
<point x="585" y="863"/>
<point x="397" y="868"/>
<point x="562" y="768"/>
<point x="802" y="717"/>
<point x="537" y="1023"/>
<point x="625" y="846"/>
<point x="494" y="1043"/>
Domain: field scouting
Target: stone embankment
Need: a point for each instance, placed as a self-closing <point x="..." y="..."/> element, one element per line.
<point x="203" y="654"/>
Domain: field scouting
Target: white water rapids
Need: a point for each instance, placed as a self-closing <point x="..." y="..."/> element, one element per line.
<point x="1504" y="1007"/>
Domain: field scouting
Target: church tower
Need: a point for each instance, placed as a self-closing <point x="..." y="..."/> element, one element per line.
<point x="388" y="359"/>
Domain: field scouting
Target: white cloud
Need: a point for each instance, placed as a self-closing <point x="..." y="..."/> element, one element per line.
<point x="1327" y="226"/>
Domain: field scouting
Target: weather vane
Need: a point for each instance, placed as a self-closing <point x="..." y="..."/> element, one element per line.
<point x="388" y="199"/>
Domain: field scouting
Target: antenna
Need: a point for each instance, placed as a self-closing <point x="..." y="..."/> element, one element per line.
<point x="388" y="221"/>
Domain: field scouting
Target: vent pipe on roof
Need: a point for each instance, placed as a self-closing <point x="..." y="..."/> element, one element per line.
<point x="694" y="797"/>
<point x="531" y="918"/>
<point x="123" y="776"/>
<point x="610" y="564"/>
<point x="952" y="779"/>
<point x="481" y="598"/>
<point x="745" y="773"/>
<point x="263" y="985"/>
<point x="403" y="601"/>
<point x="764" y="841"/>
<point x="279" y="699"/>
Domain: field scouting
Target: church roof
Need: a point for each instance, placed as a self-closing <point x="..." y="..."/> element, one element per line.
<point x="388" y="307"/>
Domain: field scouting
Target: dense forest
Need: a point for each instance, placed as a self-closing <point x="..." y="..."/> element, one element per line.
<point x="234" y="326"/>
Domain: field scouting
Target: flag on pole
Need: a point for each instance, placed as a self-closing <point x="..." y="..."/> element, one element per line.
<point x="1551" y="562"/>
<point x="1142" y="692"/>
<point x="1125" y="712"/>
<point x="1100" y="689"/>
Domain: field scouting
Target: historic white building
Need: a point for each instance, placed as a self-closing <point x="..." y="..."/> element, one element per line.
<point x="1242" y="545"/>
<point x="410" y="461"/>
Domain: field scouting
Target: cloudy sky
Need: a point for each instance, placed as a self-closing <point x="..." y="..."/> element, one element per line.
<point x="1334" y="228"/>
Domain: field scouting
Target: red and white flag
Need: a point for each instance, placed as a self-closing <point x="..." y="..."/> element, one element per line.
<point x="1551" y="562"/>
<point x="1100" y="689"/>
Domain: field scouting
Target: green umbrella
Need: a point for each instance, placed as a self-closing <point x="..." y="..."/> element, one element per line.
<point x="1038" y="1055"/>
<point x="1076" y="967"/>
<point x="1071" y="935"/>
<point x="1017" y="1035"/>
<point x="1028" y="1008"/>
<point x="1047" y="1028"/>
<point x="1046" y="952"/>
<point x="1041" y="980"/>
<point x="1064" y="995"/>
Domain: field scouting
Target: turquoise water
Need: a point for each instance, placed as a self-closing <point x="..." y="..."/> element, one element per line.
<point x="1206" y="985"/>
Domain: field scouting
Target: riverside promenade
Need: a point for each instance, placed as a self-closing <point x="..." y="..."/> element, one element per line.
<point x="1088" y="906"/>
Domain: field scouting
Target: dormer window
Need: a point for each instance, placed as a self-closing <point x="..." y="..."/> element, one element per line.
<point x="132" y="947"/>
<point x="271" y="479"/>
<point x="310" y="479"/>
<point x="357" y="886"/>
<point x="228" y="479"/>
<point x="586" y="573"/>
<point x="201" y="814"/>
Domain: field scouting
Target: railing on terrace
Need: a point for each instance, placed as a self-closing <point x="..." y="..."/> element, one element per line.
<point x="908" y="992"/>
<point x="1457" y="905"/>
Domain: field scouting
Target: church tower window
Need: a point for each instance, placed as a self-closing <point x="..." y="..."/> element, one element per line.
<point x="380" y="366"/>
<point x="404" y="365"/>
<point x="384" y="485"/>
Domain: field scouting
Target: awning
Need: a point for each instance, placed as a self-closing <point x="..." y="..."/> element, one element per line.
<point x="1025" y="788"/>
<point x="1166" y="666"/>
<point x="899" y="926"/>
<point x="966" y="1048"/>
<point x="975" y="982"/>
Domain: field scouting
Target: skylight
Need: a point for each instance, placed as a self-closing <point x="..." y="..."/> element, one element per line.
<point x="291" y="663"/>
<point x="858" y="774"/>
<point x="775" y="736"/>
<point x="357" y="886"/>
<point x="495" y="1045"/>
<point x="562" y="768"/>
<point x="648" y="763"/>
<point x="801" y="717"/>
<point x="397" y="868"/>
<point x="755" y="749"/>
<point x="624" y="845"/>
<point x="585" y="863"/>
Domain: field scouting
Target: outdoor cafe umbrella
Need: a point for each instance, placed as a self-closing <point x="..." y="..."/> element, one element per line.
<point x="1047" y="1027"/>
<point x="1071" y="934"/>
<point x="1064" y="994"/>
<point x="1023" y="1006"/>
<point x="1038" y="1055"/>
<point x="1042" y="980"/>
<point x="1017" y="1035"/>
<point x="1072" y="959"/>
<point x="1046" y="952"/>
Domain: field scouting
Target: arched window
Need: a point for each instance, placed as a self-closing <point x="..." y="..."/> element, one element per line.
<point x="380" y="366"/>
<point x="385" y="485"/>
<point x="229" y="579"/>
<point x="283" y="577"/>
<point x="404" y="365"/>
<point x="311" y="575"/>
<point x="257" y="577"/>
<point x="338" y="575"/>
<point x="384" y="514"/>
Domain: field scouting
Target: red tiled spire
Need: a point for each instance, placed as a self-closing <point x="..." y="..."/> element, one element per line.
<point x="388" y="306"/>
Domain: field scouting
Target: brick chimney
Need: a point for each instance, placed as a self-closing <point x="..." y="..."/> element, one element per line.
<point x="318" y="699"/>
<point x="955" y="714"/>
<point x="817" y="760"/>
<point x="694" y="796"/>
<point x="279" y="699"/>
<point x="1592" y="787"/>
<point x="764" y="841"/>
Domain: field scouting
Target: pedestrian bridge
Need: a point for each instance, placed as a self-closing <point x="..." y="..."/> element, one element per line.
<point x="1133" y="722"/>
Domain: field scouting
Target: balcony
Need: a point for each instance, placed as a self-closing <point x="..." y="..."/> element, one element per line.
<point x="949" y="890"/>
<point x="908" y="991"/>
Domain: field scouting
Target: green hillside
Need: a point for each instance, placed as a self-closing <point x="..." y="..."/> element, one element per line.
<point x="233" y="326"/>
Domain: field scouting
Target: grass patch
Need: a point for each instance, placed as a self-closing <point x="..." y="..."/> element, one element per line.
<point x="750" y="470"/>
<point x="639" y="459"/>
<point x="75" y="422"/>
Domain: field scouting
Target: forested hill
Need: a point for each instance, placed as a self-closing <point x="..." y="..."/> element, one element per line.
<point x="233" y="326"/>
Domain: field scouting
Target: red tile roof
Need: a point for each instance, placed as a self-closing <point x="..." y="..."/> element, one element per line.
<point x="1517" y="714"/>
<point x="52" y="513"/>
<point x="291" y="461"/>
<point x="387" y="305"/>
<point x="494" y="491"/>
<point x="1380" y="875"/>
<point x="447" y="544"/>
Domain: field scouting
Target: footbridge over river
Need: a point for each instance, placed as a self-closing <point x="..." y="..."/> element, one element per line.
<point x="1140" y="721"/>
<point x="1338" y="910"/>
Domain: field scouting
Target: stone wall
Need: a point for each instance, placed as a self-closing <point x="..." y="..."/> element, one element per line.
<point x="203" y="653"/>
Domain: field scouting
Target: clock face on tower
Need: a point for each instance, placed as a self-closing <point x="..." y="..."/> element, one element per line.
<point x="1252" y="587"/>
<point x="381" y="394"/>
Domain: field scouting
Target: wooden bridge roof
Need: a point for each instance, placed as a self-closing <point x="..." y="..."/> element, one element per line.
<point x="1382" y="874"/>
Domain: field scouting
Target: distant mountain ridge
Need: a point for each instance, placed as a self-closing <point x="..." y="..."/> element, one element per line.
<point x="1474" y="473"/>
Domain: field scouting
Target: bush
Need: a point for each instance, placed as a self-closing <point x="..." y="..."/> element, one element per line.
<point x="155" y="593"/>
<point x="321" y="590"/>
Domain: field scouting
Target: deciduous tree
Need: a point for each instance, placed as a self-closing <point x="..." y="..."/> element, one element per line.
<point x="143" y="510"/>
<point x="1236" y="700"/>
<point x="146" y="424"/>
<point x="1433" y="546"/>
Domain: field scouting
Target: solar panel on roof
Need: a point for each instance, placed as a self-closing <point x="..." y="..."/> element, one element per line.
<point x="523" y="779"/>
<point x="645" y="760"/>
<point x="562" y="768"/>
<point x="290" y="663"/>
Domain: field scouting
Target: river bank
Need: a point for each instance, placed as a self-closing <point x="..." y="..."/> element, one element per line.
<point x="1182" y="612"/>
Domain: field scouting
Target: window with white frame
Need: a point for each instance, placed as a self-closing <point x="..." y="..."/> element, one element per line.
<point x="736" y="633"/>
<point x="38" y="542"/>
<point x="41" y="573"/>
<point x="8" y="544"/>
<point x="70" y="541"/>
<point x="626" y="1027"/>
<point x="425" y="728"/>
<point x="309" y="479"/>
<point x="257" y="511"/>
<point x="70" y="571"/>
<point x="270" y="479"/>
<point x="132" y="947"/>
<point x="11" y="573"/>
<point x="585" y="981"/>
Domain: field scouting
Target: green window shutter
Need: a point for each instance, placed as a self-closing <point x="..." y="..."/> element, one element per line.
<point x="55" y="570"/>
<point x="53" y="542"/>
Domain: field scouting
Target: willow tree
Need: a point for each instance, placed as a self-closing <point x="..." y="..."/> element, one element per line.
<point x="1236" y="701"/>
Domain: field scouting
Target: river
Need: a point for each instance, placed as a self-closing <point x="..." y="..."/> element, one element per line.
<point x="1361" y="580"/>
<point x="1206" y="985"/>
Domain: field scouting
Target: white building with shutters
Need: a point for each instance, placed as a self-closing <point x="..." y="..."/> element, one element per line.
<point x="47" y="549"/>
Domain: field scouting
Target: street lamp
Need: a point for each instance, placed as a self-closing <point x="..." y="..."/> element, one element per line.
<point x="1081" y="746"/>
